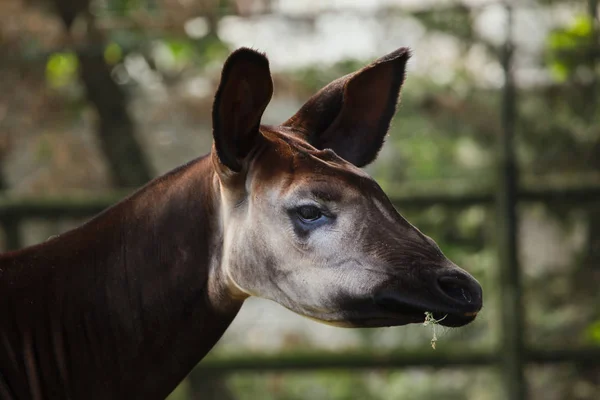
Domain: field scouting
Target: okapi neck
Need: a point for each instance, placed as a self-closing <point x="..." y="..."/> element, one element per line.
<point x="123" y="306"/>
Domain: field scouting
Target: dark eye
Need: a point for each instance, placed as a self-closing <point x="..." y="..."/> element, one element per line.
<point x="309" y="213"/>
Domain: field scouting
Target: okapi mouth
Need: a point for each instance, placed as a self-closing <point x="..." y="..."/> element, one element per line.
<point x="411" y="311"/>
<point x="454" y="299"/>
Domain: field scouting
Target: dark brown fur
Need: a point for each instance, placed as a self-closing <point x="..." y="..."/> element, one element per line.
<point x="120" y="307"/>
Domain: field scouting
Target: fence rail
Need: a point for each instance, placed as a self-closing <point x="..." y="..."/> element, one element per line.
<point x="551" y="190"/>
<point x="427" y="357"/>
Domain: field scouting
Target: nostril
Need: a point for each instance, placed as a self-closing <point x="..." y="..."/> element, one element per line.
<point x="461" y="289"/>
<point x="455" y="290"/>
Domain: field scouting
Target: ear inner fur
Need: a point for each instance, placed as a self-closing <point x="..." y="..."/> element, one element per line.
<point x="244" y="92"/>
<point x="351" y="115"/>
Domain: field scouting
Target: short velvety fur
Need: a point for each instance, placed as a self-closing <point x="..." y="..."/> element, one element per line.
<point x="119" y="308"/>
<point x="124" y="306"/>
<point x="364" y="101"/>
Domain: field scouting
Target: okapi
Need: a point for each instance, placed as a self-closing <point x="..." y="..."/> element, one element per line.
<point x="126" y="305"/>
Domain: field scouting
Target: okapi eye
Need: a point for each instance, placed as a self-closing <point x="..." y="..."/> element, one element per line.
<point x="309" y="213"/>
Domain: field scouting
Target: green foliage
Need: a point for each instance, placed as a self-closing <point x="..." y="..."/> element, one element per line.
<point x="178" y="53"/>
<point x="180" y="49"/>
<point x="568" y="48"/>
<point x="44" y="150"/>
<point x="325" y="386"/>
<point x="61" y="69"/>
<point x="314" y="78"/>
<point x="593" y="333"/>
<point x="122" y="8"/>
<point x="175" y="54"/>
<point x="376" y="385"/>
<point x="113" y="53"/>
<point x="212" y="49"/>
<point x="456" y="21"/>
<point x="427" y="157"/>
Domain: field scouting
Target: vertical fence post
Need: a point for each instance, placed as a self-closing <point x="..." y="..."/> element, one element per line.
<point x="511" y="293"/>
<point x="592" y="58"/>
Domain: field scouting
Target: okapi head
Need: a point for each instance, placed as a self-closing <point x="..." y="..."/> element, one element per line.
<point x="303" y="225"/>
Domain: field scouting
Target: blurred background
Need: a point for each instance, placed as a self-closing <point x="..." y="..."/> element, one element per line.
<point x="494" y="152"/>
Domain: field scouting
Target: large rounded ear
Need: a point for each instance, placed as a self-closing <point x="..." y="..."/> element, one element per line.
<point x="245" y="90"/>
<point x="352" y="114"/>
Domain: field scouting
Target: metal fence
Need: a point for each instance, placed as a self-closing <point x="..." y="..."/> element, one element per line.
<point x="511" y="356"/>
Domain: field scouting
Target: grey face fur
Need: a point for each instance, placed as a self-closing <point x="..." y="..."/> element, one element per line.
<point x="309" y="229"/>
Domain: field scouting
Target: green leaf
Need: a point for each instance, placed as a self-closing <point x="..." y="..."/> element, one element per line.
<point x="561" y="44"/>
<point x="61" y="69"/>
<point x="593" y="332"/>
<point x="560" y="71"/>
<point x="180" y="50"/>
<point x="582" y="27"/>
<point x="113" y="53"/>
<point x="561" y="40"/>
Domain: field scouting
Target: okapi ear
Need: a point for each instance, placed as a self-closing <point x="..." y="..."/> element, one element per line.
<point x="245" y="90"/>
<point x="352" y="114"/>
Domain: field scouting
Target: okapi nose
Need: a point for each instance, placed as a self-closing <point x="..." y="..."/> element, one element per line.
<point x="461" y="289"/>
